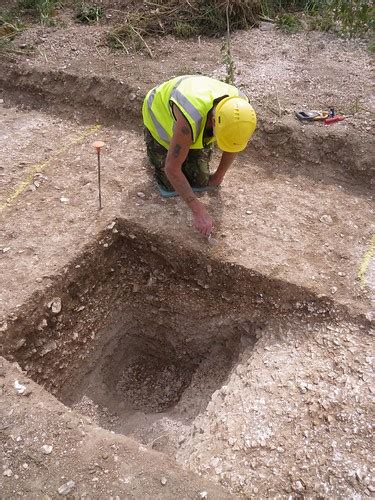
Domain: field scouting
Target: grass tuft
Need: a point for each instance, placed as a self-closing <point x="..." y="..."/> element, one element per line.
<point x="10" y="27"/>
<point x="44" y="9"/>
<point x="288" y="22"/>
<point x="88" y="13"/>
<point x="348" y="17"/>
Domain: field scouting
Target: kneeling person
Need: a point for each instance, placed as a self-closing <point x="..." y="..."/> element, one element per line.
<point x="183" y="117"/>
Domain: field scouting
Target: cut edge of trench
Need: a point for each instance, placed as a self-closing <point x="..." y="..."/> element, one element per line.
<point x="108" y="100"/>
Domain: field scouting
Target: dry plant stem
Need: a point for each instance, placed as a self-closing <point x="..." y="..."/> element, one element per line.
<point x="121" y="43"/>
<point x="230" y="67"/>
<point x="192" y="6"/>
<point x="151" y="443"/>
<point x="273" y="111"/>
<point x="7" y="37"/>
<point x="228" y="27"/>
<point x="270" y="107"/>
<point x="153" y="4"/>
<point x="99" y="54"/>
<point x="143" y="41"/>
<point x="43" y="54"/>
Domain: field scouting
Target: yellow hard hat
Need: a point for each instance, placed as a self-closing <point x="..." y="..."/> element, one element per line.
<point x="235" y="122"/>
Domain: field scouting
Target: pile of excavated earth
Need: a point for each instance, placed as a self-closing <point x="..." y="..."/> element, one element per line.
<point x="141" y="360"/>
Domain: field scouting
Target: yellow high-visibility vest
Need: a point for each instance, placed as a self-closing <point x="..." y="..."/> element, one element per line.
<point x="194" y="96"/>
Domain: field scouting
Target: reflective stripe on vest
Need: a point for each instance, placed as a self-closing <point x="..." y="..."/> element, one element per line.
<point x="159" y="127"/>
<point x="188" y="107"/>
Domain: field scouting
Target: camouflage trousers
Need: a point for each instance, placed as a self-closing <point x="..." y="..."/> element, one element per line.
<point x="195" y="167"/>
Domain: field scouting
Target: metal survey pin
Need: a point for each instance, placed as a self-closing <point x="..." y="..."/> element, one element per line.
<point x="98" y="145"/>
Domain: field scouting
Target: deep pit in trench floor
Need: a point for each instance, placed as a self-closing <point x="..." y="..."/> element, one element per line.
<point x="144" y="382"/>
<point x="138" y="334"/>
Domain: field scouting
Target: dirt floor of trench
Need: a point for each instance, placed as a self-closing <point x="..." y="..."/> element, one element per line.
<point x="247" y="361"/>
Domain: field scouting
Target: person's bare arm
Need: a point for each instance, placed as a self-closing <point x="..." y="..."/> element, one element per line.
<point x="177" y="153"/>
<point x="226" y="161"/>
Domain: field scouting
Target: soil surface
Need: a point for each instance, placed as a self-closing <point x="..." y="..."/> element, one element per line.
<point x="246" y="359"/>
<point x="50" y="452"/>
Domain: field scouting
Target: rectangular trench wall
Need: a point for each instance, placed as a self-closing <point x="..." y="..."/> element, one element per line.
<point x="127" y="272"/>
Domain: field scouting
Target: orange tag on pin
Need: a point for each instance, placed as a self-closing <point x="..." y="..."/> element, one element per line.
<point x="98" y="144"/>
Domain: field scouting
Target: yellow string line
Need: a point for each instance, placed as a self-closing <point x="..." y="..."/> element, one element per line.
<point x="366" y="261"/>
<point x="39" y="167"/>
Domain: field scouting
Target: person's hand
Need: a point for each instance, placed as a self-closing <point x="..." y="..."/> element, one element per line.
<point x="203" y="222"/>
<point x="215" y="180"/>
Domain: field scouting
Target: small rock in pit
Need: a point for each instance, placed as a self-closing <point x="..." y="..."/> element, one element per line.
<point x="326" y="219"/>
<point x="55" y="305"/>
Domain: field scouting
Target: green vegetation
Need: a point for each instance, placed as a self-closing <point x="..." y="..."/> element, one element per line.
<point x="183" y="19"/>
<point x="182" y="29"/>
<point x="44" y="9"/>
<point x="229" y="63"/>
<point x="88" y="13"/>
<point x="209" y="18"/>
<point x="226" y="53"/>
<point x="193" y="18"/>
<point x="352" y="17"/>
<point x="10" y="27"/>
<point x="288" y="22"/>
<point x="348" y="17"/>
<point x="273" y="8"/>
<point x="8" y="30"/>
<point x="127" y="36"/>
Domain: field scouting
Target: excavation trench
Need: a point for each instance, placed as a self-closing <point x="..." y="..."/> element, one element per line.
<point x="139" y="334"/>
<point x="102" y="99"/>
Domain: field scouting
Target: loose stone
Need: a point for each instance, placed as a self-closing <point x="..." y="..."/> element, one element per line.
<point x="47" y="449"/>
<point x="20" y="388"/>
<point x="55" y="305"/>
<point x="299" y="486"/>
<point x="66" y="488"/>
<point x="326" y="219"/>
